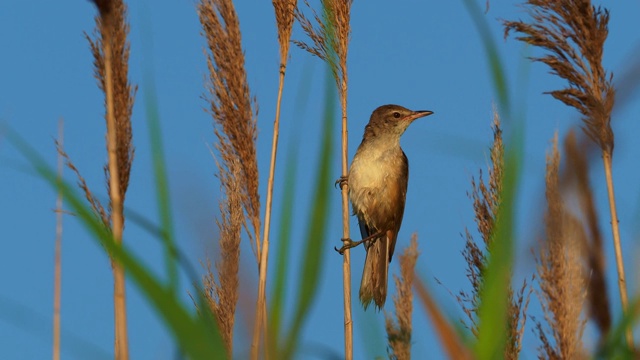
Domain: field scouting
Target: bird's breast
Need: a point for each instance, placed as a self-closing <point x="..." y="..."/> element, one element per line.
<point x="377" y="182"/>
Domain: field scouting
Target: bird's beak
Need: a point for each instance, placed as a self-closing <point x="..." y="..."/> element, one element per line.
<point x="418" y="114"/>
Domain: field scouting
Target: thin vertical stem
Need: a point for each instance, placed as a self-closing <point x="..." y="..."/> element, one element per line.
<point x="261" y="306"/>
<point x="622" y="283"/>
<point x="346" y="260"/>
<point x="119" y="297"/>
<point x="57" y="272"/>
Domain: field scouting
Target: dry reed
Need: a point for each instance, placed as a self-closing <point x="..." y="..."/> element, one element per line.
<point x="573" y="32"/>
<point x="284" y="12"/>
<point x="562" y="279"/>
<point x="486" y="204"/>
<point x="399" y="330"/>
<point x="330" y="42"/>
<point x="232" y="109"/>
<point x="110" y="50"/>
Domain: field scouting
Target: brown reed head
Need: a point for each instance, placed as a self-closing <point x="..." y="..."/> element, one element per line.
<point x="329" y="36"/>
<point x="573" y="34"/>
<point x="285" y="14"/>
<point x="560" y="270"/>
<point x="231" y="105"/>
<point x="112" y="30"/>
<point x="221" y="290"/>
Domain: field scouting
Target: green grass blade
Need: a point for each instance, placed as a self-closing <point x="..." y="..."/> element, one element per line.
<point x="159" y="169"/>
<point x="495" y="63"/>
<point x="493" y="297"/>
<point x="162" y="185"/>
<point x="615" y="344"/>
<point x="312" y="259"/>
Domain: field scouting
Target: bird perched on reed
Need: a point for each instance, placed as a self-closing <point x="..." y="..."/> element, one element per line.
<point x="377" y="181"/>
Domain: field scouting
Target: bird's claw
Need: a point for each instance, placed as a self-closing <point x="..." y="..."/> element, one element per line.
<point x="347" y="244"/>
<point x="342" y="180"/>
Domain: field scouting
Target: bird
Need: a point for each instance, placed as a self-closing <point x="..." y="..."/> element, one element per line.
<point x="377" y="183"/>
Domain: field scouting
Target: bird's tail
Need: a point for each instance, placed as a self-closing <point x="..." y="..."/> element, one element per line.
<point x="373" y="286"/>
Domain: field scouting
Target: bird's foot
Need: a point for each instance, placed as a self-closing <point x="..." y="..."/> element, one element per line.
<point x="342" y="180"/>
<point x="348" y="243"/>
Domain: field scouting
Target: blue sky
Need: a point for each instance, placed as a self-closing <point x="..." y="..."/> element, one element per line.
<point x="422" y="55"/>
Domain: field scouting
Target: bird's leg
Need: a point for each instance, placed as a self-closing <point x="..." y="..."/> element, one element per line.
<point x="348" y="243"/>
<point x="342" y="180"/>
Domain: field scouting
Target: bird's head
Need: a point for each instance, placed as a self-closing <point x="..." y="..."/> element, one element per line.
<point x="394" y="119"/>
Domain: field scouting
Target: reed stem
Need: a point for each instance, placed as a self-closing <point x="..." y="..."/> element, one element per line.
<point x="615" y="229"/>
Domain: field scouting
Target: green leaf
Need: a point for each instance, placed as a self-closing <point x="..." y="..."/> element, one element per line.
<point x="495" y="63"/>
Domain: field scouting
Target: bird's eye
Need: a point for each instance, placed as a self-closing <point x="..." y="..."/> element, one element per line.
<point x="396" y="114"/>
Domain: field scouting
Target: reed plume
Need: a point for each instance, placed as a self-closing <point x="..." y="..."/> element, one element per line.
<point x="221" y="291"/>
<point x="111" y="33"/>
<point x="232" y="109"/>
<point x="110" y="49"/>
<point x="486" y="204"/>
<point x="399" y="329"/>
<point x="330" y="42"/>
<point x="562" y="279"/>
<point x="231" y="104"/>
<point x="573" y="32"/>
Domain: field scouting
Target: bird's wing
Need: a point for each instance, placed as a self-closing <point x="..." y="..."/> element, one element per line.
<point x="399" y="201"/>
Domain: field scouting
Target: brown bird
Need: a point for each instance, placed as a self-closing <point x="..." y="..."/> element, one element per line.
<point x="377" y="180"/>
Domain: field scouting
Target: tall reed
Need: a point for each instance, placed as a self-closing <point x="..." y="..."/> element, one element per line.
<point x="330" y="42"/>
<point x="284" y="12"/>
<point x="110" y="49"/>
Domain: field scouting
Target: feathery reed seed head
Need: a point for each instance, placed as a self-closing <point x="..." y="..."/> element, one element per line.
<point x="573" y="34"/>
<point x="230" y="103"/>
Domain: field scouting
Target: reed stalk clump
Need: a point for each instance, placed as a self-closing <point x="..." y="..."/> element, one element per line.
<point x="573" y="33"/>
